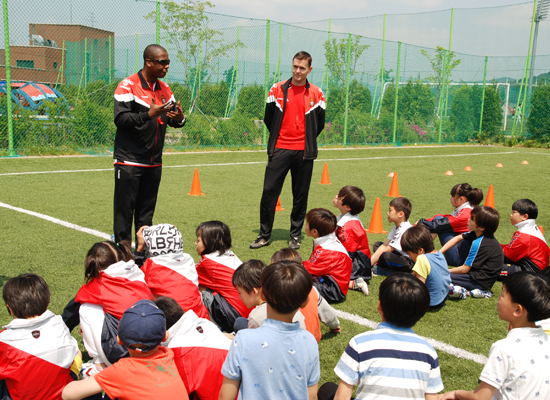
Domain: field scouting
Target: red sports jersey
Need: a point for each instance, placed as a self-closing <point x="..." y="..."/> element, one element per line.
<point x="35" y="357"/>
<point x="528" y="242"/>
<point x="167" y="275"/>
<point x="351" y="233"/>
<point x="330" y="257"/>
<point x="456" y="222"/>
<point x="215" y="273"/>
<point x="199" y="350"/>
<point x="118" y="288"/>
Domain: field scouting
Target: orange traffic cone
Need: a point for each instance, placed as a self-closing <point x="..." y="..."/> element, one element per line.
<point x="376" y="225"/>
<point x="324" y="179"/>
<point x="541" y="229"/>
<point x="490" y="200"/>
<point x="449" y="173"/>
<point x="468" y="168"/>
<point x="278" y="206"/>
<point x="394" y="188"/>
<point x="196" y="186"/>
<point x="525" y="162"/>
<point x="390" y="175"/>
<point x="499" y="165"/>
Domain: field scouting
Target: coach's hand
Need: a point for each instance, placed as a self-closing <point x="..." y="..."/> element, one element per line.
<point x="177" y="114"/>
<point x="157" y="110"/>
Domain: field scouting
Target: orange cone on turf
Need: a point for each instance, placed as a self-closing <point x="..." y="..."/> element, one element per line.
<point x="390" y="175"/>
<point x="394" y="188"/>
<point x="468" y="168"/>
<point x="376" y="225"/>
<point x="278" y="206"/>
<point x="324" y="179"/>
<point x="541" y="229"/>
<point x="196" y="186"/>
<point x="490" y="200"/>
<point x="525" y="162"/>
<point x="499" y="165"/>
<point x="449" y="173"/>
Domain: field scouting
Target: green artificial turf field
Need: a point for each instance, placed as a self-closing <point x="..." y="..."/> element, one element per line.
<point x="79" y="191"/>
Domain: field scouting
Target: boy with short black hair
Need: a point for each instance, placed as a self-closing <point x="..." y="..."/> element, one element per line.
<point x="149" y="372"/>
<point x="517" y="366"/>
<point x="409" y="364"/>
<point x="484" y="263"/>
<point x="280" y="355"/>
<point x="36" y="348"/>
<point x="330" y="263"/>
<point x="528" y="249"/>
<point x="350" y="200"/>
<point x="199" y="349"/>
<point x="388" y="256"/>
<point x="246" y="280"/>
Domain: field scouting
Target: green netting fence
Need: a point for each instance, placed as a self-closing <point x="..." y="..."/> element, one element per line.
<point x="453" y="76"/>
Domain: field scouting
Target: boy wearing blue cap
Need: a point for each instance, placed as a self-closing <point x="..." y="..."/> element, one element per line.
<point x="149" y="372"/>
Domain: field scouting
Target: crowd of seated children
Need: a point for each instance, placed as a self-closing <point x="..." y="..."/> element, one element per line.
<point x="388" y="256"/>
<point x="430" y="265"/>
<point x="37" y="351"/>
<point x="199" y="347"/>
<point x="350" y="200"/>
<point x="518" y="365"/>
<point x="277" y="360"/>
<point x="168" y="270"/>
<point x="316" y="309"/>
<point x="463" y="198"/>
<point x="246" y="280"/>
<point x="404" y="365"/>
<point x="485" y="259"/>
<point x="329" y="264"/>
<point x="113" y="284"/>
<point x="528" y="250"/>
<point x="148" y="373"/>
<point x="215" y="269"/>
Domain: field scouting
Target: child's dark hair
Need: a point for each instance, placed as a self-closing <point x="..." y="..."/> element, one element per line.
<point x="286" y="254"/>
<point x="321" y="219"/>
<point x="532" y="291"/>
<point x="404" y="299"/>
<point x="286" y="286"/>
<point x="486" y="217"/>
<point x="474" y="196"/>
<point x="417" y="237"/>
<point x="526" y="206"/>
<point x="402" y="204"/>
<point x="103" y="254"/>
<point x="248" y="274"/>
<point x="215" y="236"/>
<point x="171" y="309"/>
<point x="353" y="197"/>
<point x="27" y="295"/>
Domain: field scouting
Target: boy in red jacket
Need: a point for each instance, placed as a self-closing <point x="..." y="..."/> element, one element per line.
<point x="329" y="264"/>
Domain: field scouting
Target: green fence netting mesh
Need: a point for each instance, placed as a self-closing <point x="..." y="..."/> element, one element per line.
<point x="462" y="75"/>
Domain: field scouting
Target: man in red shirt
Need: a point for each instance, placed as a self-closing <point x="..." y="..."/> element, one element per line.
<point x="294" y="116"/>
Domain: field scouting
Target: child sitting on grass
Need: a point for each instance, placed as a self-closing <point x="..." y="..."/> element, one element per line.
<point x="329" y="264"/>
<point x="388" y="256"/>
<point x="391" y="361"/>
<point x="246" y="280"/>
<point x="277" y="360"/>
<point x="484" y="263"/>
<point x="317" y="309"/>
<point x="149" y="373"/>
<point x="350" y="200"/>
<point x="215" y="269"/>
<point x="430" y="265"/>
<point x="36" y="348"/>
<point x="528" y="250"/>
<point x="517" y="366"/>
<point x="168" y="270"/>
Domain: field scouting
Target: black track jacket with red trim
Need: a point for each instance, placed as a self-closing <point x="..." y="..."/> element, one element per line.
<point x="140" y="139"/>
<point x="315" y="115"/>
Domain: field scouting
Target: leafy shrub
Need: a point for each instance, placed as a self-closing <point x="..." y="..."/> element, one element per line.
<point x="213" y="98"/>
<point x="251" y="102"/>
<point x="538" y="123"/>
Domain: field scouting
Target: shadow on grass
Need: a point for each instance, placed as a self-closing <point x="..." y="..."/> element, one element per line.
<point x="277" y="234"/>
<point x="4" y="279"/>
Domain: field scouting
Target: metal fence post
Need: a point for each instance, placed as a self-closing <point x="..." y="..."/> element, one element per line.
<point x="347" y="92"/>
<point x="483" y="97"/>
<point x="396" y="91"/>
<point x="9" y="110"/>
<point x="266" y="87"/>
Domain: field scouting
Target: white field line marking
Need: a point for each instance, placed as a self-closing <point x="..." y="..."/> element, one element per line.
<point x="58" y="221"/>
<point x="342" y="314"/>
<point x="436" y="344"/>
<point x="263" y="162"/>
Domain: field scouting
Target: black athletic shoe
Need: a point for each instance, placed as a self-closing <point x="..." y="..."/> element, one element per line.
<point x="294" y="243"/>
<point x="259" y="242"/>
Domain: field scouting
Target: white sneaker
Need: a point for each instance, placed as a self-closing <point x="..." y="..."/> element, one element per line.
<point x="360" y="284"/>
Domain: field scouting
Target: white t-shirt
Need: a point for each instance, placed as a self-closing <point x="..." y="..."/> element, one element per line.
<point x="395" y="236"/>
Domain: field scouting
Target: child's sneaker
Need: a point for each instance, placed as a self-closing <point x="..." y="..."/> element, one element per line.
<point x="87" y="370"/>
<point x="360" y="284"/>
<point x="458" y="292"/>
<point x="477" y="293"/>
